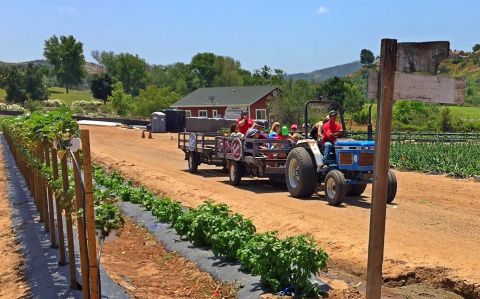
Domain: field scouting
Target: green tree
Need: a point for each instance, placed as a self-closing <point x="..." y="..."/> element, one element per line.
<point x="127" y="68"/>
<point x="154" y="99"/>
<point x="35" y="87"/>
<point x="366" y="57"/>
<point x="14" y="83"/>
<point x="203" y="65"/>
<point x="476" y="47"/>
<point x="121" y="101"/>
<point x="227" y="72"/>
<point x="288" y="106"/>
<point x="101" y="87"/>
<point x="344" y="91"/>
<point x="65" y="54"/>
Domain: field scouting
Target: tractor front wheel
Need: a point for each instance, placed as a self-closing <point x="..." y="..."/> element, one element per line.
<point x="392" y="186"/>
<point x="335" y="188"/>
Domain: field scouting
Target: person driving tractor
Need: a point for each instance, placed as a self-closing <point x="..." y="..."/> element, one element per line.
<point x="331" y="131"/>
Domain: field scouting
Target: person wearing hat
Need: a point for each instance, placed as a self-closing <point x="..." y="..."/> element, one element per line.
<point x="293" y="128"/>
<point x="244" y="123"/>
<point x="260" y="126"/>
<point x="331" y="131"/>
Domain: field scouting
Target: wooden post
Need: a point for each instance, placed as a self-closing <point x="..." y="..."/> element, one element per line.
<point x="61" y="238"/>
<point x="94" y="273"/>
<point x="69" y="226"/>
<point x="43" y="190"/>
<point x="388" y="56"/>
<point x="38" y="188"/>
<point x="82" y="237"/>
<point x="51" y="215"/>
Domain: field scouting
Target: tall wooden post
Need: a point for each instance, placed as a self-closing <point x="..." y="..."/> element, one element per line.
<point x="58" y="207"/>
<point x="69" y="225"/>
<point x="43" y="189"/>
<point x="51" y="215"/>
<point x="388" y="57"/>
<point x="94" y="273"/>
<point x="38" y="187"/>
<point x="82" y="237"/>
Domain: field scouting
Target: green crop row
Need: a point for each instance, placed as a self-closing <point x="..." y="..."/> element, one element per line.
<point x="29" y="130"/>
<point x="455" y="159"/>
<point x="281" y="263"/>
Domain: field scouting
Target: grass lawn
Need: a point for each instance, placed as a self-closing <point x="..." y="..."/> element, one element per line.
<point x="466" y="113"/>
<point x="73" y="95"/>
<point x="59" y="93"/>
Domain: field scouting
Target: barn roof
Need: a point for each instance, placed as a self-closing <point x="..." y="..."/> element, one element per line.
<point x="224" y="96"/>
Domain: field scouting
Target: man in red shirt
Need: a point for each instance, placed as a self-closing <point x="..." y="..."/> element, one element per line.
<point x="244" y="123"/>
<point x="331" y="131"/>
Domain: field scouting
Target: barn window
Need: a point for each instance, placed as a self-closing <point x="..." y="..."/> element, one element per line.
<point x="188" y="113"/>
<point x="261" y="114"/>
<point x="202" y="113"/>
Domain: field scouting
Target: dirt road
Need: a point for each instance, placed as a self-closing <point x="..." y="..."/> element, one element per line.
<point x="434" y="223"/>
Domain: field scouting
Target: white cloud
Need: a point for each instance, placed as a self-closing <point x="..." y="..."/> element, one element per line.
<point x="322" y="10"/>
<point x="67" y="10"/>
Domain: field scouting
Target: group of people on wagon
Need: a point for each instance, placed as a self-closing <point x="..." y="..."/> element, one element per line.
<point x="326" y="130"/>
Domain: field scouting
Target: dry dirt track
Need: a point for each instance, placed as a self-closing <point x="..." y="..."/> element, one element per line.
<point x="434" y="223"/>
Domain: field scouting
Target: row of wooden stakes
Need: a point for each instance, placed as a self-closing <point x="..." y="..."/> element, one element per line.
<point x="53" y="207"/>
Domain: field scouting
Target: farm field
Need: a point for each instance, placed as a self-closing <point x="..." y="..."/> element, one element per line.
<point x="434" y="222"/>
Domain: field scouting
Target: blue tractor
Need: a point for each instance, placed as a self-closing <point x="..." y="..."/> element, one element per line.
<point x="347" y="174"/>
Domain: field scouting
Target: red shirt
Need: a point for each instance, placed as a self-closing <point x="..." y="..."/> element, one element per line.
<point x="247" y="125"/>
<point x="329" y="129"/>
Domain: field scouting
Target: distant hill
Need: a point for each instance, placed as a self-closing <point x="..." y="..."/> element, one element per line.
<point x="323" y="74"/>
<point x="92" y="68"/>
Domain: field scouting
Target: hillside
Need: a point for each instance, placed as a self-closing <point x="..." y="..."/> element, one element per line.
<point x="323" y="74"/>
<point x="92" y="68"/>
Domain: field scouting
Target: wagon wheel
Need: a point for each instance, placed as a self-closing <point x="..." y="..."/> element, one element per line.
<point x="235" y="172"/>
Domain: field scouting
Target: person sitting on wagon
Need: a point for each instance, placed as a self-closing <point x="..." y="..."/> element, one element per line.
<point x="293" y="129"/>
<point x="244" y="123"/>
<point x="331" y="131"/>
<point x="253" y="134"/>
<point x="234" y="131"/>
<point x="274" y="130"/>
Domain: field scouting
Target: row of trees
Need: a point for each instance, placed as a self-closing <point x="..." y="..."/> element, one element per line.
<point x="23" y="83"/>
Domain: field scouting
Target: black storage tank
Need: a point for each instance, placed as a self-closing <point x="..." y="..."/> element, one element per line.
<point x="175" y="120"/>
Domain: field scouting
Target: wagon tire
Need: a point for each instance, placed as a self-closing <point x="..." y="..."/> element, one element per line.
<point x="235" y="172"/>
<point x="300" y="173"/>
<point x="335" y="188"/>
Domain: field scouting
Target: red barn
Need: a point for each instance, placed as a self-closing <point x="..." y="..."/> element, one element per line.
<point x="228" y="102"/>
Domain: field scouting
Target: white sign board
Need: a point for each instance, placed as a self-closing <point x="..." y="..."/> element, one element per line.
<point x="424" y="88"/>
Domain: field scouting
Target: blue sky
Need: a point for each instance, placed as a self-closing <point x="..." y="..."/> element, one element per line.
<point x="293" y="35"/>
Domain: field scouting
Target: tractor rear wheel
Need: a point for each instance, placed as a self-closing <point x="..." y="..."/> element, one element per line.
<point x="335" y="187"/>
<point x="392" y="186"/>
<point x="300" y="173"/>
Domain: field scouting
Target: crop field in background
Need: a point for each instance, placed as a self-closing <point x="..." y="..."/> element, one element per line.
<point x="460" y="159"/>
